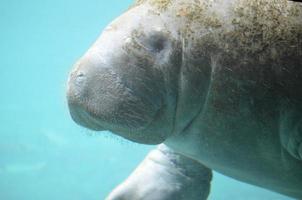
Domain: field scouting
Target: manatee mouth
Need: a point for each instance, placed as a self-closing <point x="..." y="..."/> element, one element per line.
<point x="83" y="118"/>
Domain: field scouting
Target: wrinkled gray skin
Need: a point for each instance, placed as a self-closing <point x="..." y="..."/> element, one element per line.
<point x="218" y="82"/>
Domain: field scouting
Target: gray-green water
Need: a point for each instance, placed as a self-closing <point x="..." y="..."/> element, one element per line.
<point x="43" y="154"/>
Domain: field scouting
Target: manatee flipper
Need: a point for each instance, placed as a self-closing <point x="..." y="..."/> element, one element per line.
<point x="165" y="175"/>
<point x="291" y="130"/>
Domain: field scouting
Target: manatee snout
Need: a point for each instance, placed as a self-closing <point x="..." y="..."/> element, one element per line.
<point x="102" y="97"/>
<point x="78" y="95"/>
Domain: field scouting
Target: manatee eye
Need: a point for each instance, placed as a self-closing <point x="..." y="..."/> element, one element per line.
<point x="156" y="41"/>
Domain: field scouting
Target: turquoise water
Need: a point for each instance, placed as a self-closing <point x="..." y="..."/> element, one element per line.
<point x="43" y="153"/>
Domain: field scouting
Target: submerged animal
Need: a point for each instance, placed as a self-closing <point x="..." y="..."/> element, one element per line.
<point x="217" y="83"/>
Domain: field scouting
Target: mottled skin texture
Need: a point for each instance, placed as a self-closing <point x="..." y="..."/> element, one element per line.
<point x="217" y="81"/>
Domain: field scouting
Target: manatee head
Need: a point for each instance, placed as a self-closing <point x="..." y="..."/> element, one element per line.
<point x="131" y="81"/>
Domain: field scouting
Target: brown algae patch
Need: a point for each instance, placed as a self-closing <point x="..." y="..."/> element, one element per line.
<point x="161" y="5"/>
<point x="266" y="31"/>
<point x="261" y="29"/>
<point x="198" y="12"/>
<point x="261" y="25"/>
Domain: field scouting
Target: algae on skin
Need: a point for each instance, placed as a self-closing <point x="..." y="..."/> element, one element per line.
<point x="256" y="28"/>
<point x="261" y="28"/>
<point x="158" y="4"/>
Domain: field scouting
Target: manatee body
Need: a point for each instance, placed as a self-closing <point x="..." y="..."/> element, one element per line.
<point x="218" y="82"/>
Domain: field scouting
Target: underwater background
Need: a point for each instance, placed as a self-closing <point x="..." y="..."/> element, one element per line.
<point x="43" y="153"/>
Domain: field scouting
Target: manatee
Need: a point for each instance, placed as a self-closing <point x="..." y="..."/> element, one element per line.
<point x="215" y="83"/>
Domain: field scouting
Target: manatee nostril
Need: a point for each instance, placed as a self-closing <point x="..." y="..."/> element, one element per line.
<point x="80" y="77"/>
<point x="80" y="74"/>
